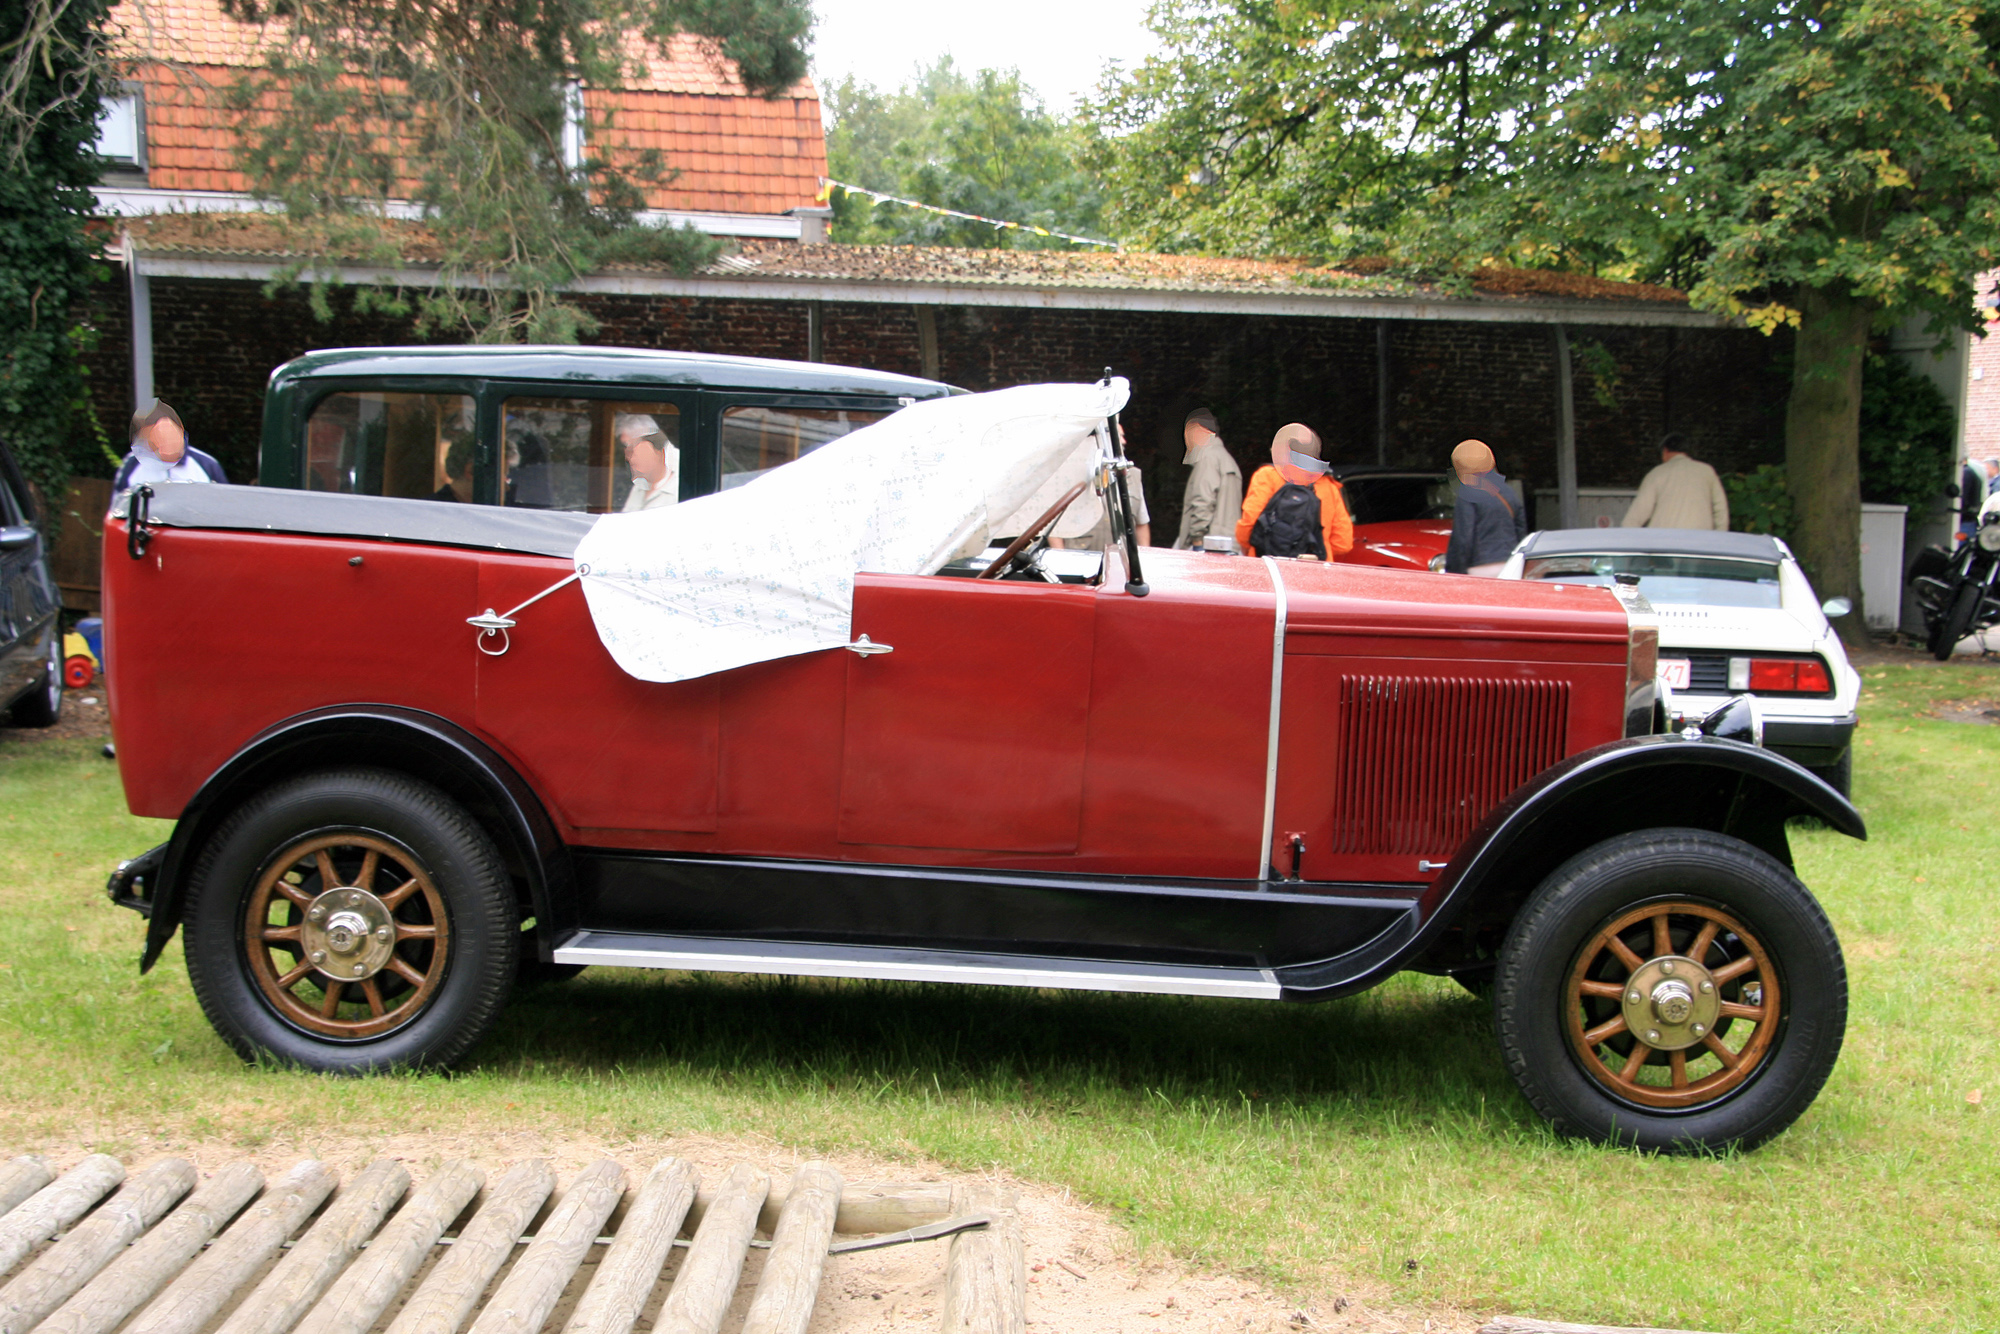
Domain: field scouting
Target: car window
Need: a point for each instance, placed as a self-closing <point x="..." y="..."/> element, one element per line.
<point x="568" y="453"/>
<point x="11" y="508"/>
<point x="390" y="444"/>
<point x="1386" y="499"/>
<point x="758" y="439"/>
<point x="1700" y="580"/>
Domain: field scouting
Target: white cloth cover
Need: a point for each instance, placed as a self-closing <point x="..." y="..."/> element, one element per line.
<point x="766" y="570"/>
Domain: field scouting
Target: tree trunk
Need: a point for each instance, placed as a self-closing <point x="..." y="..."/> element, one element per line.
<point x="1823" y="448"/>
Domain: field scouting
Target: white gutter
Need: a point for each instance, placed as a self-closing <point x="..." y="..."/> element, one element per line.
<point x="141" y="202"/>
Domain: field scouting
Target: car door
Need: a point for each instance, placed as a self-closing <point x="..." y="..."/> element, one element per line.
<point x="969" y="733"/>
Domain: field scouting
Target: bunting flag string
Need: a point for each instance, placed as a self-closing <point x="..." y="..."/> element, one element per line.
<point x="829" y="185"/>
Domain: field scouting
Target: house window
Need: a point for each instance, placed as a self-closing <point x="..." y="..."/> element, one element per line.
<point x="572" y="128"/>
<point x="121" y="127"/>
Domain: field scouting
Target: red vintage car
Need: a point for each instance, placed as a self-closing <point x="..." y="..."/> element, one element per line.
<point x="1249" y="778"/>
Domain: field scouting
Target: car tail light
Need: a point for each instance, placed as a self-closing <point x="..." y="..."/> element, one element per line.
<point x="1780" y="676"/>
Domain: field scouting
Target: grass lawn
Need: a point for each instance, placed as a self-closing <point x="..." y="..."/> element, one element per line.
<point x="1377" y="1136"/>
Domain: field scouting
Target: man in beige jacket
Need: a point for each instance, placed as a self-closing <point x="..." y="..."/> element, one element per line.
<point x="1214" y="496"/>
<point x="1682" y="492"/>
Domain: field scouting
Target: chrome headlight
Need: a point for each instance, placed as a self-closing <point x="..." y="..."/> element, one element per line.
<point x="1437" y="564"/>
<point x="1989" y="534"/>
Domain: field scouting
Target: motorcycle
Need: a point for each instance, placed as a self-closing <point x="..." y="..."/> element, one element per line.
<point x="1957" y="589"/>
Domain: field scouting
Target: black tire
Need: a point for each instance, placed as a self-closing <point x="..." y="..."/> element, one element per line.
<point x="42" y="706"/>
<point x="1956" y="623"/>
<point x="1781" y="950"/>
<point x="1840" y="774"/>
<point x="447" y="965"/>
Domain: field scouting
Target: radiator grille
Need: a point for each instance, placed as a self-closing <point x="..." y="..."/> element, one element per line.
<point x="1424" y="758"/>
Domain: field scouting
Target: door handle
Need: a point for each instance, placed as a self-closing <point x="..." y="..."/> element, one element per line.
<point x="867" y="647"/>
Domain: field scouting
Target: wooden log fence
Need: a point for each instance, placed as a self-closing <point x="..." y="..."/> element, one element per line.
<point x="87" y="1251"/>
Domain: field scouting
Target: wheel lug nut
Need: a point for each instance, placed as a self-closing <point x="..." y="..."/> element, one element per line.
<point x="316" y="914"/>
<point x="1667" y="967"/>
<point x="1698" y="1030"/>
<point x="382" y="933"/>
<point x="1707" y="987"/>
<point x="1635" y="998"/>
<point x="1653" y="1036"/>
<point x="359" y="970"/>
<point x="319" y="956"/>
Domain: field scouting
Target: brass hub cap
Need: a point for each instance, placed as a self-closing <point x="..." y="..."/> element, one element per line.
<point x="349" y="933"/>
<point x="346" y="935"/>
<point x="1672" y="1005"/>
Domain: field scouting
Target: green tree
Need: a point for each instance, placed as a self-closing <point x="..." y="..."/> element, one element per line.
<point x="980" y="144"/>
<point x="52" y="65"/>
<point x="1827" y="166"/>
<point x="460" y="106"/>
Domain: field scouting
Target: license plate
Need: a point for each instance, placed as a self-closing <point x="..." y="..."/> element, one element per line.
<point x="1674" y="671"/>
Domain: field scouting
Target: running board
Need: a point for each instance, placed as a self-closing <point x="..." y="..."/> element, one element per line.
<point x="620" y="949"/>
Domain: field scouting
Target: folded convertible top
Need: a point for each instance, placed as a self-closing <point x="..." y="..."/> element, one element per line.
<point x="382" y="518"/>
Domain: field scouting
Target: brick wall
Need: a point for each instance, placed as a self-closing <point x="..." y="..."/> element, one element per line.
<point x="1982" y="390"/>
<point x="215" y="343"/>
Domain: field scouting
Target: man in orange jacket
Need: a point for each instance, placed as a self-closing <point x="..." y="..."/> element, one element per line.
<point x="1295" y="461"/>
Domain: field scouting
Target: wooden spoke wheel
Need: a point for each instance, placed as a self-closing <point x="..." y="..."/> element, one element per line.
<point x="346" y="935"/>
<point x="351" y="920"/>
<point x="1673" y="989"/>
<point x="1672" y="1005"/>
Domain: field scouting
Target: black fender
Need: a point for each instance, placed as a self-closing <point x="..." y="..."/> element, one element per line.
<point x="408" y="741"/>
<point x="1655" y="782"/>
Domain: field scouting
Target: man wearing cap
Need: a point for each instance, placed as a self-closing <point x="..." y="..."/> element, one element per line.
<point x="1295" y="472"/>
<point x="1214" y="494"/>
<point x="1682" y="492"/>
<point x="1487" y="520"/>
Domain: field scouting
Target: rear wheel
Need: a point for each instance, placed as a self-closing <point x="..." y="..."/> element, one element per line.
<point x="42" y="706"/>
<point x="351" y="921"/>
<point x="1674" y="990"/>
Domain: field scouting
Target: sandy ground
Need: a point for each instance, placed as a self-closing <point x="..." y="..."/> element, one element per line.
<point x="1083" y="1276"/>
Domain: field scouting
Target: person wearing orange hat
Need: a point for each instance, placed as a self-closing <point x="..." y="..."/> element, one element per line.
<point x="1488" y="519"/>
<point x="1292" y="507"/>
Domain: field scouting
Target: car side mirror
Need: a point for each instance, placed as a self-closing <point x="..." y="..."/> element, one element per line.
<point x="1835" y="607"/>
<point x="15" y="536"/>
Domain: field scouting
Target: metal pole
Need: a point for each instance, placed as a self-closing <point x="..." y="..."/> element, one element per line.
<point x="1572" y="516"/>
<point x="142" y="328"/>
<point x="1381" y="391"/>
<point x="813" y="333"/>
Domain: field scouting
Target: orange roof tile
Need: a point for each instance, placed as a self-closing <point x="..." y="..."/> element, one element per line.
<point x="735" y="153"/>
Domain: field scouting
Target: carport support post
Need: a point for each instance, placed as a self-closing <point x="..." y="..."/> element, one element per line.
<point x="813" y="332"/>
<point x="1381" y="391"/>
<point x="142" y="327"/>
<point x="1565" y="434"/>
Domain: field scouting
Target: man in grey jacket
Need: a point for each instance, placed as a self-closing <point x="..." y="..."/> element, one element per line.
<point x="1213" y="500"/>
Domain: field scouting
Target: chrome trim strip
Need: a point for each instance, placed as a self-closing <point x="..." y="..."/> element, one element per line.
<point x="1277" y="703"/>
<point x="889" y="963"/>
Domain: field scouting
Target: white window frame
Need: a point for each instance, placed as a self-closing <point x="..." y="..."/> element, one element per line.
<point x="132" y="94"/>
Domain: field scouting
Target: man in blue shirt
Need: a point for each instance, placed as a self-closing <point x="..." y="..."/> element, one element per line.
<point x="160" y="452"/>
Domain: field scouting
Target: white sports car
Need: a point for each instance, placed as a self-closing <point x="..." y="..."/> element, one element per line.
<point x="1736" y="617"/>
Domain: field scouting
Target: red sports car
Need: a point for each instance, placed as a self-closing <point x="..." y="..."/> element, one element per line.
<point x="1402" y="517"/>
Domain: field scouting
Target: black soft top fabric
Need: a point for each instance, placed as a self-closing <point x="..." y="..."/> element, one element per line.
<point x="1653" y="542"/>
<point x="324" y="514"/>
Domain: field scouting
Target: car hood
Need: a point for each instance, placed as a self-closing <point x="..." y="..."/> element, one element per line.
<point x="1409" y="542"/>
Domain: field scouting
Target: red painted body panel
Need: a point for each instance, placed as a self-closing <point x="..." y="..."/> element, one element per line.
<point x="1058" y="728"/>
<point x="1398" y="544"/>
<point x="215" y="636"/>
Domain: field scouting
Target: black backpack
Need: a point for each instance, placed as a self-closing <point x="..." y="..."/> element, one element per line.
<point x="1289" y="525"/>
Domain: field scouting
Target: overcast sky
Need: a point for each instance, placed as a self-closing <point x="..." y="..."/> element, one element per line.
<point x="1059" y="46"/>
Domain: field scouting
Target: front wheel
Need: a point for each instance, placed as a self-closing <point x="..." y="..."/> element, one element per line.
<point x="1675" y="990"/>
<point x="1956" y="621"/>
<point x="349" y="922"/>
